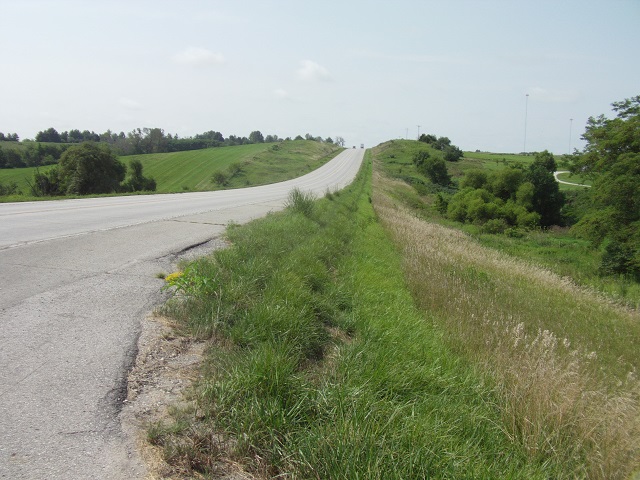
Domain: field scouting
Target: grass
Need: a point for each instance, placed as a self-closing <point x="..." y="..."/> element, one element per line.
<point x="349" y="342"/>
<point x="242" y="166"/>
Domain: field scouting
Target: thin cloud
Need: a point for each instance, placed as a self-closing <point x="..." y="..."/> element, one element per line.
<point x="198" y="57"/>
<point x="311" y="71"/>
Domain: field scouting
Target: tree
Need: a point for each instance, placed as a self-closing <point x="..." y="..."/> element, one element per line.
<point x="428" y="138"/>
<point x="452" y="153"/>
<point x="49" y="135"/>
<point x="442" y="143"/>
<point x="90" y="168"/>
<point x="547" y="160"/>
<point x="547" y="199"/>
<point x="433" y="166"/>
<point x="256" y="137"/>
<point x="612" y="158"/>
<point x="340" y="141"/>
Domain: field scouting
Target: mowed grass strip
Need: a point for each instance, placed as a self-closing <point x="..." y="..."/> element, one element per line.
<point x="322" y="367"/>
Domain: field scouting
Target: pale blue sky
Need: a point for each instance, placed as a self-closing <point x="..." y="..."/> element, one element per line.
<point x="368" y="71"/>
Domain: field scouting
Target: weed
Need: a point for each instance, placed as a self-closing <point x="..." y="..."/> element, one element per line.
<point x="301" y="202"/>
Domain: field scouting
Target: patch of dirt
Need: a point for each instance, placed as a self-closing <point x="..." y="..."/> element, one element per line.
<point x="166" y="366"/>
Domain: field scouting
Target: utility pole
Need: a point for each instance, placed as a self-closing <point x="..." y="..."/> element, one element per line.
<point x="570" y="125"/>
<point x="526" y="107"/>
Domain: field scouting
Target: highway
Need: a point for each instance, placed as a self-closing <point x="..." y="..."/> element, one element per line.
<point x="77" y="278"/>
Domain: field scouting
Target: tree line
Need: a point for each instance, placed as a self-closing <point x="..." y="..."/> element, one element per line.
<point x="49" y="144"/>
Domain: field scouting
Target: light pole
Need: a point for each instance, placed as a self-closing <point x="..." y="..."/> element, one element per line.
<point x="526" y="107"/>
<point x="570" y="125"/>
<point x="418" y="132"/>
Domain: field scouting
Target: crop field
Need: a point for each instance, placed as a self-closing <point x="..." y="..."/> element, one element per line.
<point x="192" y="170"/>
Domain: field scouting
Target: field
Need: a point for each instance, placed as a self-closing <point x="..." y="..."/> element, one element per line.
<point x="21" y="176"/>
<point x="349" y="338"/>
<point x="242" y="165"/>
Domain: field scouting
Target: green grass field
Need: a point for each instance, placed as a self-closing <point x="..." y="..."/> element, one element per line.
<point x="21" y="176"/>
<point x="255" y="164"/>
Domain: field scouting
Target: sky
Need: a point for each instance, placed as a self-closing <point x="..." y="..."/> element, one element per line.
<point x="492" y="75"/>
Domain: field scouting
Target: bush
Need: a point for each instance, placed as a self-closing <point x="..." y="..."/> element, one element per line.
<point x="47" y="183"/>
<point x="90" y="168"/>
<point x="434" y="167"/>
<point x="137" y="181"/>
<point x="495" y="225"/>
<point x="10" y="188"/>
<point x="219" y="178"/>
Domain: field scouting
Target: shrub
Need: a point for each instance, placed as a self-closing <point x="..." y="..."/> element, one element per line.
<point x="10" y="188"/>
<point x="220" y="178"/>
<point x="495" y="225"/>
<point x="90" y="168"/>
<point x="137" y="181"/>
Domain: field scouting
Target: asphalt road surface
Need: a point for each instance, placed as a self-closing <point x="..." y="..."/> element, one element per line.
<point x="76" y="279"/>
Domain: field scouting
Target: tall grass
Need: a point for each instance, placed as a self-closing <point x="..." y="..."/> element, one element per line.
<point x="321" y="365"/>
<point x="563" y="359"/>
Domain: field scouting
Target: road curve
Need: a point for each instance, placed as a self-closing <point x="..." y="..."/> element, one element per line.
<point x="76" y="279"/>
<point x="555" y="174"/>
<point x="27" y="222"/>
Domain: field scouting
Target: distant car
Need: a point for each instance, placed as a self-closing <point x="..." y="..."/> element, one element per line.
<point x="354" y="146"/>
<point x="362" y="145"/>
